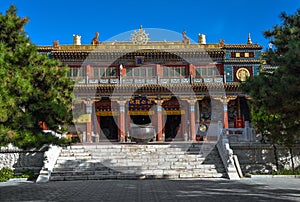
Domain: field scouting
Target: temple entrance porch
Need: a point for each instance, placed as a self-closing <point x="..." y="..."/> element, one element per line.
<point x="172" y="119"/>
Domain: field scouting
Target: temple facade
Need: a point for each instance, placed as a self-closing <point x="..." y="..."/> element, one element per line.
<point x="157" y="90"/>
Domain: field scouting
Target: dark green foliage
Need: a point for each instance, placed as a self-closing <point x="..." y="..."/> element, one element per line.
<point x="286" y="172"/>
<point x="32" y="88"/>
<point x="8" y="173"/>
<point x="275" y="100"/>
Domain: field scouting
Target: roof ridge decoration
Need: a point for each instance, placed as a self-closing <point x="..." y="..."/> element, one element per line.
<point x="140" y="37"/>
<point x="249" y="39"/>
<point x="185" y="40"/>
<point x="95" y="40"/>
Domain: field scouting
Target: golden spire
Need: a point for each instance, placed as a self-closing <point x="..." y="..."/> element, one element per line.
<point x="249" y="39"/>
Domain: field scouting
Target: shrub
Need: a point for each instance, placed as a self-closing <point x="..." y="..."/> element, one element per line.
<point x="286" y="172"/>
<point x="8" y="173"/>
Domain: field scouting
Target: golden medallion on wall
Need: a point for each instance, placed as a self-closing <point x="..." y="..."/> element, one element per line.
<point x="242" y="74"/>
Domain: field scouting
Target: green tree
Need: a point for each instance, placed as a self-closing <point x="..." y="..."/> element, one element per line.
<point x="276" y="97"/>
<point x="33" y="89"/>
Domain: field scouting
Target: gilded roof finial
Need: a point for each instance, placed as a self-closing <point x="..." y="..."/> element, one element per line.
<point x="249" y="39"/>
<point x="185" y="40"/>
<point x="95" y="40"/>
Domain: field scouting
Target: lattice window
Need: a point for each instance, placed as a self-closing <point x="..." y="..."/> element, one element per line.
<point x="104" y="72"/>
<point x="174" y="71"/>
<point x="76" y="72"/>
<point x="140" y="71"/>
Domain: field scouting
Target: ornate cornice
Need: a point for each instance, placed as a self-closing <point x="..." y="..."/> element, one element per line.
<point x="243" y="61"/>
<point x="108" y="89"/>
<point x="242" y="46"/>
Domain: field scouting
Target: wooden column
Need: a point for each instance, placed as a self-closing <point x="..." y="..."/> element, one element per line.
<point x="122" y="126"/>
<point x="159" y="121"/>
<point x="159" y="71"/>
<point x="224" y="100"/>
<point x="99" y="127"/>
<point x="123" y="71"/>
<point x="183" y="125"/>
<point x="153" y="120"/>
<point x="225" y="113"/>
<point x="89" y="125"/>
<point x="89" y="131"/>
<point x="192" y="118"/>
<point x="89" y="71"/>
<point x="192" y="70"/>
<point x="128" y="120"/>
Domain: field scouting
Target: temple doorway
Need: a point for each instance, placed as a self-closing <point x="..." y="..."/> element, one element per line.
<point x="172" y="127"/>
<point x="109" y="128"/>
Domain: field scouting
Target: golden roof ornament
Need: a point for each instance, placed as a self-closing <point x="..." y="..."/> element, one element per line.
<point x="222" y="42"/>
<point x="140" y="37"/>
<point x="249" y="39"/>
<point x="76" y="39"/>
<point x="185" y="40"/>
<point x="95" y="40"/>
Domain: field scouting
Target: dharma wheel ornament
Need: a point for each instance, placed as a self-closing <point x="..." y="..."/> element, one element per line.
<point x="242" y="74"/>
<point x="140" y="37"/>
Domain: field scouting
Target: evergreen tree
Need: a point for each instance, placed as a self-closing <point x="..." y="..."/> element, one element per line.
<point x="33" y="89"/>
<point x="276" y="97"/>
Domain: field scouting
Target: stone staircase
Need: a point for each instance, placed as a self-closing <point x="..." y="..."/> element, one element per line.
<point x="138" y="161"/>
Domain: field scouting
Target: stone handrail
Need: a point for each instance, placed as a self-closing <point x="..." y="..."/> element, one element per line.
<point x="50" y="158"/>
<point x="227" y="157"/>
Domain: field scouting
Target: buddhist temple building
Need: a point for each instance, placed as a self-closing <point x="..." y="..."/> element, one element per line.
<point x="167" y="90"/>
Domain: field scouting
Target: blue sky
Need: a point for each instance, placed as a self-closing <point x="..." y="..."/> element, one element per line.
<point x="230" y="20"/>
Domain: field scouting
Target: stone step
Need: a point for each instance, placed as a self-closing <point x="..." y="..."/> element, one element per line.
<point x="166" y="175"/>
<point x="75" y="154"/>
<point x="97" y="177"/>
<point x="124" y="161"/>
<point x="131" y="162"/>
<point x="63" y="167"/>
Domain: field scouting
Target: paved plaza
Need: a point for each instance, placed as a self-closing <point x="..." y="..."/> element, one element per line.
<point x="258" y="189"/>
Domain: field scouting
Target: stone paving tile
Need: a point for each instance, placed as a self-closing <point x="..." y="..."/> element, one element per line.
<point x="153" y="190"/>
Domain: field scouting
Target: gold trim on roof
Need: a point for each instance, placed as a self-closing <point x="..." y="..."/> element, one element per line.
<point x="239" y="46"/>
<point x="109" y="46"/>
<point x="242" y="61"/>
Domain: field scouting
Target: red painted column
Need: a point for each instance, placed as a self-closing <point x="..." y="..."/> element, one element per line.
<point x="192" y="119"/>
<point x="89" y="131"/>
<point x="159" y="70"/>
<point x="89" y="71"/>
<point x="159" y="121"/>
<point x="44" y="126"/>
<point x="89" y="126"/>
<point x="122" y="126"/>
<point x="192" y="70"/>
<point x="99" y="127"/>
<point x="183" y="121"/>
<point x="123" y="71"/>
<point x="128" y="123"/>
<point x="225" y="113"/>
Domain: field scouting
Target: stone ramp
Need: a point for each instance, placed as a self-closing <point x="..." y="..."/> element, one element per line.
<point x="138" y="161"/>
